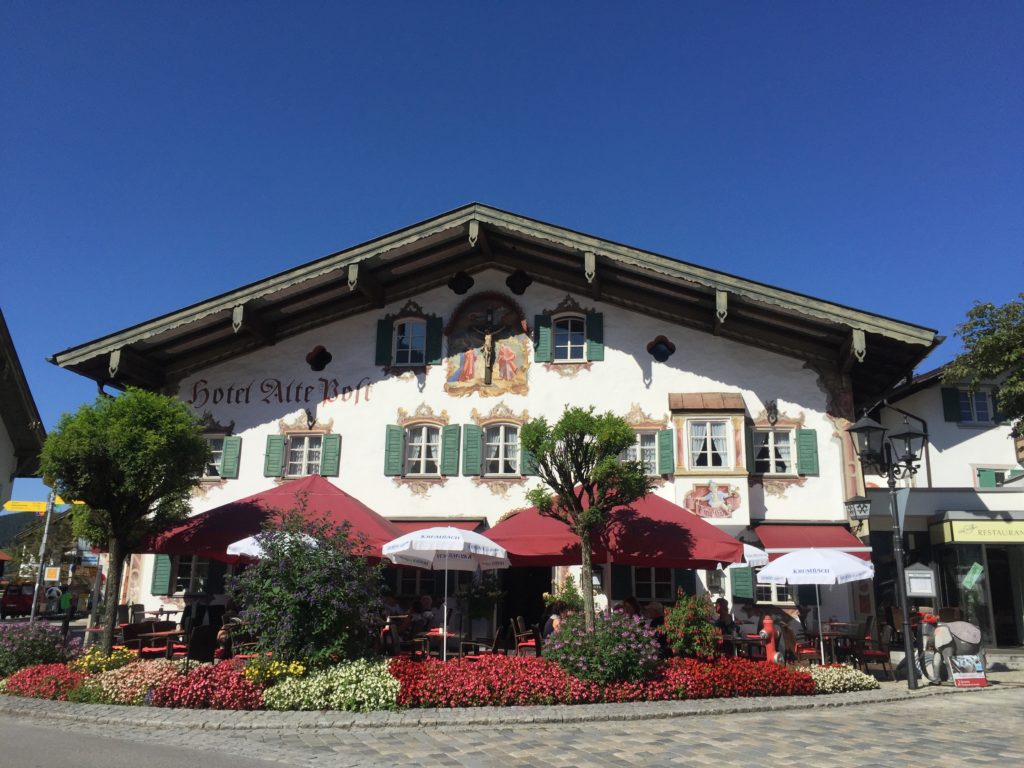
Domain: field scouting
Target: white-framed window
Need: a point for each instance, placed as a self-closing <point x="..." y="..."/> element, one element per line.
<point x="773" y="593"/>
<point x="304" y="455"/>
<point x="644" y="450"/>
<point x="652" y="583"/>
<point x="708" y="443"/>
<point x="410" y="342"/>
<point x="190" y="574"/>
<point x="501" y="449"/>
<point x="975" y="406"/>
<point x="422" y="450"/>
<point x="216" y="462"/>
<point x="569" y="339"/>
<point x="774" y="452"/>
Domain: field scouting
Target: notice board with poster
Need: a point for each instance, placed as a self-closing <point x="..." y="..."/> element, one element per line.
<point x="967" y="671"/>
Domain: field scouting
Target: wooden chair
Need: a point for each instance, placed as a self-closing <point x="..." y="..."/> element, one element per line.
<point x="130" y="634"/>
<point x="864" y="654"/>
<point x="472" y="649"/>
<point x="528" y="642"/>
<point x="799" y="651"/>
<point x="202" y="642"/>
<point x="160" y="647"/>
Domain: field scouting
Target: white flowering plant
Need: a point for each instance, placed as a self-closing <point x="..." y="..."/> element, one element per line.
<point x="356" y="686"/>
<point x="841" y="678"/>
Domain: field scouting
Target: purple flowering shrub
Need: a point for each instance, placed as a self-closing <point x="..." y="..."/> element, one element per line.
<point x="25" y="645"/>
<point x="621" y="647"/>
<point x="313" y="596"/>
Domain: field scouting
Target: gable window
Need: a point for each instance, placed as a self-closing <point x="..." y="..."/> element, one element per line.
<point x="644" y="450"/>
<point x="422" y="450"/>
<point x="709" y="443"/>
<point x="501" y="450"/>
<point x="410" y="342"/>
<point x="304" y="455"/>
<point x="773" y="452"/>
<point x="974" y="406"/>
<point x="570" y="340"/>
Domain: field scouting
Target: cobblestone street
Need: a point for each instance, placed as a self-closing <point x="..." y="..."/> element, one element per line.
<point x="985" y="727"/>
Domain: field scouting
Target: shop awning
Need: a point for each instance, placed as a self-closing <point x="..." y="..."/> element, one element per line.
<point x="408" y="526"/>
<point x="780" y="539"/>
<point x="650" y="532"/>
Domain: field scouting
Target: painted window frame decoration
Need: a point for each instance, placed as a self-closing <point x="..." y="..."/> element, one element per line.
<point x="546" y="337"/>
<point x="396" y="448"/>
<point x="803" y="452"/>
<point x="710" y="442"/>
<point x="277" y="456"/>
<point x="387" y="346"/>
<point x="488" y="347"/>
<point x="227" y="464"/>
<point x="474" y="449"/>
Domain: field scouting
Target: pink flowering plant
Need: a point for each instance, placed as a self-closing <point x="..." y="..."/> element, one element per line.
<point x="128" y="684"/>
<point x="44" y="681"/>
<point x="216" y="686"/>
<point x="621" y="647"/>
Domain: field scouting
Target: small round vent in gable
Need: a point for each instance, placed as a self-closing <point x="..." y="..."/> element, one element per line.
<point x="318" y="358"/>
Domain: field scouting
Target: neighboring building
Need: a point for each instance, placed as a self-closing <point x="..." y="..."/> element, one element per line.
<point x="21" y="429"/>
<point x="403" y="369"/>
<point x="964" y="512"/>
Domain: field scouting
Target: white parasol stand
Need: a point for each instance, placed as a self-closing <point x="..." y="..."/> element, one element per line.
<point x="816" y="566"/>
<point x="448" y="549"/>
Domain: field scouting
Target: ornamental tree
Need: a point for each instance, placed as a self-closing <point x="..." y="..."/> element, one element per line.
<point x="133" y="460"/>
<point x="993" y="339"/>
<point x="313" y="596"/>
<point x="577" y="459"/>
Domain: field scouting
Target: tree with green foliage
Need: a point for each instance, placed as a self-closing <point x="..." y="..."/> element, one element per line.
<point x="133" y="460"/>
<point x="313" y="595"/>
<point x="993" y="339"/>
<point x="577" y="458"/>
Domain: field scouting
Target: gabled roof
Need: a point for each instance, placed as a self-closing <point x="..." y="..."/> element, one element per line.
<point x="18" y="409"/>
<point x="158" y="353"/>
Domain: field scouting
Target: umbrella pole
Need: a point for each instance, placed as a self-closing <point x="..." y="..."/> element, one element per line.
<point x="821" y="636"/>
<point x="444" y="608"/>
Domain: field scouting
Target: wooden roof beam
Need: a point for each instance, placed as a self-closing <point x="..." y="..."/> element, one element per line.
<point x="367" y="284"/>
<point x="245" y="318"/>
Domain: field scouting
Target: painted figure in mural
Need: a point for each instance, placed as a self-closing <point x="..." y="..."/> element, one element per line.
<point x="507" y="366"/>
<point x="468" y="370"/>
<point x="716" y="499"/>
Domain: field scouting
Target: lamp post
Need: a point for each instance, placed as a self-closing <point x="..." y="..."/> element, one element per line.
<point x="896" y="458"/>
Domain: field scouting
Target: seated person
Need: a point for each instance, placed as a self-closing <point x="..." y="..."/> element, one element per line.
<point x="554" y="619"/>
<point x="723" y="617"/>
<point x="423" y="615"/>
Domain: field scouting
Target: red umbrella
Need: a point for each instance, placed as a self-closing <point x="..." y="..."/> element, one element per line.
<point x="209" y="533"/>
<point x="652" y="531"/>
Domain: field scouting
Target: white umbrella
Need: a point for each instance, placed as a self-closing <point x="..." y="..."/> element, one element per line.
<point x="250" y="546"/>
<point x="752" y="558"/>
<point x="816" y="566"/>
<point x="449" y="549"/>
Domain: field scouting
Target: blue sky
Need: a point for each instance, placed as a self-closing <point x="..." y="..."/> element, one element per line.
<point x="155" y="154"/>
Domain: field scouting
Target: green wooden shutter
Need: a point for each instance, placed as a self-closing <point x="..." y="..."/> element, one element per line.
<point x="161" y="583"/>
<point x="595" y="336"/>
<point x="742" y="581"/>
<point x="987" y="478"/>
<point x="330" y="456"/>
<point x="215" y="577"/>
<point x="273" y="462"/>
<point x="686" y="580"/>
<point x="385" y="335"/>
<point x="749" y="447"/>
<point x="527" y="463"/>
<point x="434" y="336"/>
<point x="230" y="456"/>
<point x="542" y="340"/>
<point x="472" y="437"/>
<point x="666" y="452"/>
<point x="622" y="581"/>
<point x="394" y="445"/>
<point x="450" y="439"/>
<point x="807" y="451"/>
<point x="951" y="404"/>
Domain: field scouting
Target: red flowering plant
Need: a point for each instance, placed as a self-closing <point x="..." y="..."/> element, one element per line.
<point x="927" y="618"/>
<point x="690" y="629"/>
<point x="220" y="686"/>
<point x="44" y="681"/>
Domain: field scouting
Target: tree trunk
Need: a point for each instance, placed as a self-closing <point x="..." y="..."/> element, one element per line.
<point x="587" y="582"/>
<point x="115" y="557"/>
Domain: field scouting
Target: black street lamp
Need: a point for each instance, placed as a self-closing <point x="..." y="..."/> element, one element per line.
<point x="896" y="458"/>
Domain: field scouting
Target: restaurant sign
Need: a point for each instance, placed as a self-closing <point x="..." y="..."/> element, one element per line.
<point x="979" y="532"/>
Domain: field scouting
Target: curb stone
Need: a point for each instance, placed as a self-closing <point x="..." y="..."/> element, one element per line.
<point x="451" y="718"/>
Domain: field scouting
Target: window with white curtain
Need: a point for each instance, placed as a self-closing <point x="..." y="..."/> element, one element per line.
<point x="773" y="451"/>
<point x="708" y="443"/>
<point x="422" y="450"/>
<point x="501" y="450"/>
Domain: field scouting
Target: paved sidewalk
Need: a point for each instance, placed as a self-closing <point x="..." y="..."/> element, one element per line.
<point x="153" y="717"/>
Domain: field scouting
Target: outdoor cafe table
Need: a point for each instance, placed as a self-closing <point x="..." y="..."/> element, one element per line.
<point x="836" y="630"/>
<point x="436" y="634"/>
